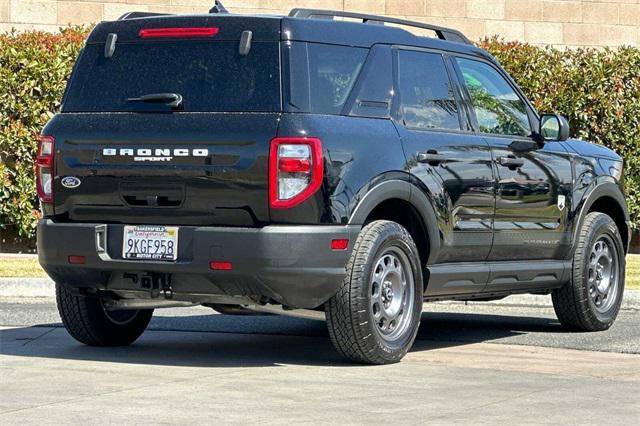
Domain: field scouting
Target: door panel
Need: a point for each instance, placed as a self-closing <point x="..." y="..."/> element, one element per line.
<point x="454" y="168"/>
<point x="532" y="202"/>
<point x="462" y="187"/>
<point x="533" y="180"/>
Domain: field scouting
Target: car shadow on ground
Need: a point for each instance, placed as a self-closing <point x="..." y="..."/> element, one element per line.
<point x="253" y="341"/>
<point x="463" y="328"/>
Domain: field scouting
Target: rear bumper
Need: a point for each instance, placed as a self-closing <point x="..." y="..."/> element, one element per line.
<point x="291" y="265"/>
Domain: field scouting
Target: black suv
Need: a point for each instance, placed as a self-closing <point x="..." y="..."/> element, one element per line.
<point x="324" y="161"/>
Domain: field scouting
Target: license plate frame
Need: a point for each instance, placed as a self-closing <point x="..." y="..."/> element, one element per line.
<point x="145" y="243"/>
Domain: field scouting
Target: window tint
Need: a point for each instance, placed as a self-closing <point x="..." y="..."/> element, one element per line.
<point x="333" y="71"/>
<point x="210" y="76"/>
<point x="498" y="108"/>
<point x="426" y="94"/>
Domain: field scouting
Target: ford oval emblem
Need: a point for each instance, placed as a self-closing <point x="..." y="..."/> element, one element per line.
<point x="70" y="182"/>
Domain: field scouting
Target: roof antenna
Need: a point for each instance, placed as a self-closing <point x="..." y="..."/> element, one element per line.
<point x="218" y="8"/>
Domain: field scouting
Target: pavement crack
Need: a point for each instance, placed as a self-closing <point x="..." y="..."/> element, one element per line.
<point x="497" y="402"/>
<point x="39" y="336"/>
<point x="113" y="392"/>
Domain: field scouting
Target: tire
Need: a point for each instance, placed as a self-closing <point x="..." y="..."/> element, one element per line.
<point x="87" y="321"/>
<point x="591" y="301"/>
<point x="359" y="316"/>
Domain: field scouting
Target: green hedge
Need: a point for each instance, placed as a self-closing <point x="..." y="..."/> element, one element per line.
<point x="598" y="90"/>
<point x="34" y="67"/>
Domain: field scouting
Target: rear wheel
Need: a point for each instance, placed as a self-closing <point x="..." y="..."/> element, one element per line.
<point x="591" y="301"/>
<point x="88" y="322"/>
<point x="374" y="317"/>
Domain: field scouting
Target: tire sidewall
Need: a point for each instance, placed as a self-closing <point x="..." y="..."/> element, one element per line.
<point x="393" y="237"/>
<point x="602" y="226"/>
<point x="87" y="321"/>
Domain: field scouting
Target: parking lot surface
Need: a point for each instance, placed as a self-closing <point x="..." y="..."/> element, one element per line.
<point x="476" y="363"/>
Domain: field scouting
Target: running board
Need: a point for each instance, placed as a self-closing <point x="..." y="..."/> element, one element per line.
<point x="455" y="279"/>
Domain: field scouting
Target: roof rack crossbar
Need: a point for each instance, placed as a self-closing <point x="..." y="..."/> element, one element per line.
<point x="443" y="33"/>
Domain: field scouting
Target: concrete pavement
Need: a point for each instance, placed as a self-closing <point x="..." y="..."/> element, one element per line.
<point x="498" y="363"/>
<point x="209" y="378"/>
<point x="202" y="368"/>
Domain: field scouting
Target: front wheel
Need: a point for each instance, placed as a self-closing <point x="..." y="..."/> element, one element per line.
<point x="374" y="317"/>
<point x="87" y="321"/>
<point x="591" y="301"/>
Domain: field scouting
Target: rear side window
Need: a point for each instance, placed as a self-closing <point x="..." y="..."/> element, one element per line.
<point x="321" y="76"/>
<point x="426" y="95"/>
<point x="210" y="76"/>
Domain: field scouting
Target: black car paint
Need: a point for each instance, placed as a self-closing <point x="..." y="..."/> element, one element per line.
<point x="270" y="264"/>
<point x="370" y="157"/>
<point x="228" y="187"/>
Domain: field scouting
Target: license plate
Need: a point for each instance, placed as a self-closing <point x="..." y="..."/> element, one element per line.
<point x="147" y="242"/>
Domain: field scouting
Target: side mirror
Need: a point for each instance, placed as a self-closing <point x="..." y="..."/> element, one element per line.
<point x="553" y="127"/>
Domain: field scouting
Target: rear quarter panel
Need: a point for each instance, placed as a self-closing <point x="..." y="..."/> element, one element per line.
<point x="358" y="154"/>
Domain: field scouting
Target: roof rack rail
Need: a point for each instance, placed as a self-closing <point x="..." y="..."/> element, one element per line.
<point x="443" y="33"/>
<point x="134" y="15"/>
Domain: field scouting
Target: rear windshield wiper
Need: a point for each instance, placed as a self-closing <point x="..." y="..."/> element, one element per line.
<point x="173" y="100"/>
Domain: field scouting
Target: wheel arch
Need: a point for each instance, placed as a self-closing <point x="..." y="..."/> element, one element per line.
<point x="606" y="198"/>
<point x="393" y="196"/>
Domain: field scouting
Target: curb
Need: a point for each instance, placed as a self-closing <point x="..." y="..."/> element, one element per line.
<point x="27" y="287"/>
<point x="631" y="300"/>
<point x="19" y="256"/>
<point x="44" y="287"/>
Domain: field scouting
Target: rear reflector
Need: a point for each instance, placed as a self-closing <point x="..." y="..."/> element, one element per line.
<point x="77" y="260"/>
<point x="221" y="266"/>
<point x="342" y="244"/>
<point x="178" y="32"/>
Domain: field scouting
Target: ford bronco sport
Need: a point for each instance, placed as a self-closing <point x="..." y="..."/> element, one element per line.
<point x="330" y="162"/>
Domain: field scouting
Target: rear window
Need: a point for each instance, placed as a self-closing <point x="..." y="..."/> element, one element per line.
<point x="210" y="76"/>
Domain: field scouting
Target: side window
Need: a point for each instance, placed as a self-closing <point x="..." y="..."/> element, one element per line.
<point x="498" y="108"/>
<point x="426" y="93"/>
<point x="333" y="71"/>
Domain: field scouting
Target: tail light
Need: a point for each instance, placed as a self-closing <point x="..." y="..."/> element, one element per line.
<point x="45" y="168"/>
<point x="296" y="170"/>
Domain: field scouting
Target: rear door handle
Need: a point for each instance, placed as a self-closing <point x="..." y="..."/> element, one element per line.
<point x="511" y="162"/>
<point x="431" y="157"/>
